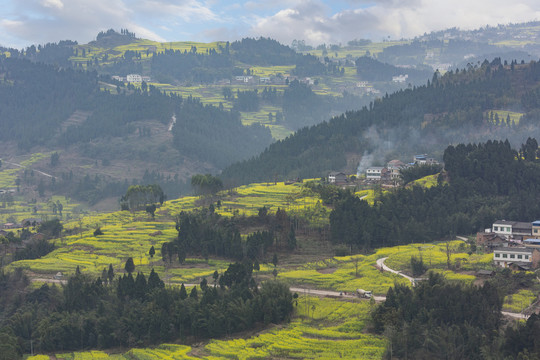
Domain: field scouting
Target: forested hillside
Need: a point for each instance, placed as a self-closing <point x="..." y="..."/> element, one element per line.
<point x="456" y="107"/>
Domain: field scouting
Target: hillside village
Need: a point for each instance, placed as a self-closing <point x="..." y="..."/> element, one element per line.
<point x="514" y="244"/>
<point x="388" y="175"/>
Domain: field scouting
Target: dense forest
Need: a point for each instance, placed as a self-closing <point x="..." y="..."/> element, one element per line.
<point x="127" y="310"/>
<point x="449" y="109"/>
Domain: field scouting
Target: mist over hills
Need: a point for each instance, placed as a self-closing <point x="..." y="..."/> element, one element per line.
<point x="456" y="107"/>
<point x="203" y="107"/>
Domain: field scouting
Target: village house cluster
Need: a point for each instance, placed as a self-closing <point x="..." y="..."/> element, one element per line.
<point x="392" y="170"/>
<point x="389" y="173"/>
<point x="515" y="244"/>
<point x="132" y="78"/>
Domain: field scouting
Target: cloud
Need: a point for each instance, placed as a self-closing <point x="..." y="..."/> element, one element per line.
<point x="25" y="22"/>
<point x="40" y="21"/>
<point x="187" y="10"/>
<point x="314" y="22"/>
<point x="53" y="4"/>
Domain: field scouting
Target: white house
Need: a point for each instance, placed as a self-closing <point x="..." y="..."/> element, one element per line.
<point x="134" y="78"/>
<point x="374" y="173"/>
<point x="400" y="78"/>
<point x="515" y="229"/>
<point x="525" y="258"/>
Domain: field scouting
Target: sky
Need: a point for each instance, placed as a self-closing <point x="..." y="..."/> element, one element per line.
<point x="27" y="22"/>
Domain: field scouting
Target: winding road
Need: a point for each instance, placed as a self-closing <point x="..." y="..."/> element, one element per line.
<point x="383" y="266"/>
<point x="329" y="293"/>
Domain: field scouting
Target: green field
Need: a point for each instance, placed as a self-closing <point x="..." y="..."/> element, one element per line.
<point x="127" y="234"/>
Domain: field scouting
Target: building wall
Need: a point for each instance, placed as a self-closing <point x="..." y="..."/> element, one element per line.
<point x="502" y="229"/>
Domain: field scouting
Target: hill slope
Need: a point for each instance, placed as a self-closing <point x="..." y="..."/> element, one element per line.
<point x="456" y="107"/>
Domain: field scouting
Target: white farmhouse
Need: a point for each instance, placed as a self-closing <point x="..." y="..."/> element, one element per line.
<point x="134" y="78"/>
<point x="374" y="173"/>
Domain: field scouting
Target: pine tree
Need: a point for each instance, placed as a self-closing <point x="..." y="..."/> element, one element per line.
<point x="129" y="266"/>
<point x="110" y="273"/>
<point x="183" y="292"/>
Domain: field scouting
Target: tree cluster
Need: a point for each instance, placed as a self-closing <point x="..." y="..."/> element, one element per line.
<point x="133" y="311"/>
<point x="138" y="197"/>
<point x="439" y="320"/>
<point x="205" y="233"/>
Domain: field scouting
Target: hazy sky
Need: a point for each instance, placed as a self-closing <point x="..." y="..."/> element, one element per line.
<point x="25" y="22"/>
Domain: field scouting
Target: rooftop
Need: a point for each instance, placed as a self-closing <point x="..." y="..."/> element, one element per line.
<point x="514" y="249"/>
<point x="517" y="224"/>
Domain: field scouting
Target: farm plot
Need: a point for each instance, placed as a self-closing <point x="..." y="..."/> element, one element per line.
<point x="249" y="198"/>
<point x="435" y="256"/>
<point x="346" y="273"/>
<point x="324" y="329"/>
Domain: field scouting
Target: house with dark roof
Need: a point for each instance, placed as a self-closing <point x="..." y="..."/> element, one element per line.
<point x="337" y="178"/>
<point x="490" y="240"/>
<point x="513" y="229"/>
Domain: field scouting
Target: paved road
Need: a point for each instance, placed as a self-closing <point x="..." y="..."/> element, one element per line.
<point x="330" y="293"/>
<point x="382" y="265"/>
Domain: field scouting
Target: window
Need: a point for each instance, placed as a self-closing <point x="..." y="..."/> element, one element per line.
<point x="505" y="256"/>
<point x="527" y="257"/>
<point x="536" y="231"/>
<point x="495" y="228"/>
<point x="512" y="256"/>
<point x="497" y="255"/>
<point x="520" y="256"/>
<point x="509" y="229"/>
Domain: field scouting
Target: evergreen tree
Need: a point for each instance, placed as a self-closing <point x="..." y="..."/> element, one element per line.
<point x="129" y="266"/>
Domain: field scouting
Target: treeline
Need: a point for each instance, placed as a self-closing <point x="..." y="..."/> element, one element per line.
<point x="441" y="320"/>
<point x="129" y="311"/>
<point x="487" y="181"/>
<point x="205" y="233"/>
<point x="193" y="66"/>
<point x="263" y="52"/>
<point x="448" y="109"/>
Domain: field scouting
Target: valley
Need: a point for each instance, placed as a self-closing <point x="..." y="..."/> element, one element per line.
<point x="189" y="200"/>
